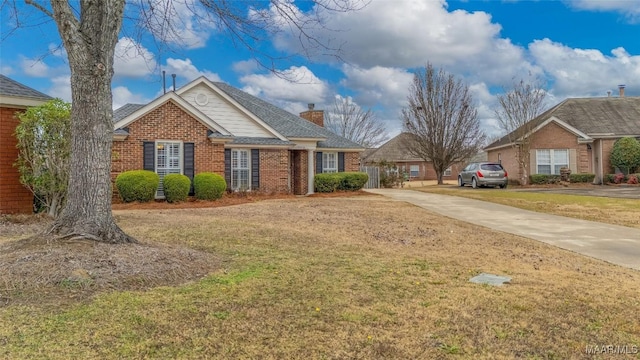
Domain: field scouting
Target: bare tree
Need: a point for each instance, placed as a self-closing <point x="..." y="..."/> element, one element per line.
<point x="89" y="31"/>
<point x="442" y="118"/>
<point x="523" y="102"/>
<point x="349" y="120"/>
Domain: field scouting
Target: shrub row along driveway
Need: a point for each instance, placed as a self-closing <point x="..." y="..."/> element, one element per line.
<point x="616" y="244"/>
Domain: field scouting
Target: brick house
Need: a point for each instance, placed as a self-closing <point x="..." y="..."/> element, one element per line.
<point x="14" y="98"/>
<point x="415" y="168"/>
<point x="209" y="126"/>
<point x="577" y="133"/>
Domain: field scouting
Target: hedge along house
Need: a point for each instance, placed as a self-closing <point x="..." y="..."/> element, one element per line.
<point x="577" y="134"/>
<point x="14" y="98"/>
<point x="209" y="126"/>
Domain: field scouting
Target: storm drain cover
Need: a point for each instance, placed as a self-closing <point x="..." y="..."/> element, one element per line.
<point x="490" y="279"/>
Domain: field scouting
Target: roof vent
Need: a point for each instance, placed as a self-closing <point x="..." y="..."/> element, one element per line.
<point x="311" y="106"/>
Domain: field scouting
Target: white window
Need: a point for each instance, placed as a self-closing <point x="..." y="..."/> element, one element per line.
<point x="549" y="161"/>
<point x="414" y="171"/>
<point x="240" y="179"/>
<point x="447" y="172"/>
<point x="168" y="161"/>
<point x="329" y="162"/>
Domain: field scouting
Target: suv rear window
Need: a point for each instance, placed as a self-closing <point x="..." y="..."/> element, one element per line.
<point x="491" y="167"/>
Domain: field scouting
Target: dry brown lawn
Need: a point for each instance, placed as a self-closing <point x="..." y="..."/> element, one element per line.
<point x="319" y="278"/>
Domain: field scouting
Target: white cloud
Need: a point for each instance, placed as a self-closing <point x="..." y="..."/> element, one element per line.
<point x="184" y="23"/>
<point x="61" y="87"/>
<point x="585" y="72"/>
<point x="378" y="85"/>
<point x="245" y="66"/>
<point x="185" y="69"/>
<point x="291" y="90"/>
<point x="122" y="96"/>
<point x="629" y="8"/>
<point x="35" y="68"/>
<point x="6" y="70"/>
<point x="405" y="33"/>
<point x="132" y="59"/>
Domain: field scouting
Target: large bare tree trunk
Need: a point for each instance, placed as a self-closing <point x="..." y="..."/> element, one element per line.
<point x="90" y="42"/>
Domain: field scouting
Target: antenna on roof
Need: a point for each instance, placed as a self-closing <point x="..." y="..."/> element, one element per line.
<point x="164" y="82"/>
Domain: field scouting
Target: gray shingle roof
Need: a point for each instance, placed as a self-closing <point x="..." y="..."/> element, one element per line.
<point x="10" y="87"/>
<point x="125" y="110"/>
<point x="618" y="116"/>
<point x="393" y="150"/>
<point x="284" y="122"/>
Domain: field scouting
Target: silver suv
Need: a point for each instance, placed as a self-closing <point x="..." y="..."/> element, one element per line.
<point x="483" y="174"/>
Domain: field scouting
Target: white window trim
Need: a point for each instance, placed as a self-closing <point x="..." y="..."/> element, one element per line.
<point x="411" y="171"/>
<point x="248" y="151"/>
<point x="326" y="169"/>
<point x="551" y="159"/>
<point x="447" y="172"/>
<point x="155" y="160"/>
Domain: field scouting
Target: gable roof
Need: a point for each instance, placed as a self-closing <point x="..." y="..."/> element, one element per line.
<point x="590" y="117"/>
<point x="15" y="93"/>
<point x="281" y="121"/>
<point x="393" y="150"/>
<point x="129" y="113"/>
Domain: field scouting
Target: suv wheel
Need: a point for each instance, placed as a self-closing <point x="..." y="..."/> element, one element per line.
<point x="460" y="183"/>
<point x="474" y="183"/>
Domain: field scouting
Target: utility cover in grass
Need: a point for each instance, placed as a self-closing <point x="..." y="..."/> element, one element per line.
<point x="490" y="279"/>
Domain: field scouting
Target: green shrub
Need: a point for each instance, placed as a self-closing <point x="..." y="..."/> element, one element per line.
<point x="209" y="186"/>
<point x="608" y="178"/>
<point x="176" y="187"/>
<point x="326" y="183"/>
<point x="343" y="181"/>
<point x="540" y="179"/>
<point x="137" y="185"/>
<point x="625" y="155"/>
<point x="581" y="178"/>
<point x="352" y="181"/>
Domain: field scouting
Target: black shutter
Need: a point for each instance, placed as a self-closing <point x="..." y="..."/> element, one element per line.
<point x="340" y="162"/>
<point x="319" y="162"/>
<point x="255" y="169"/>
<point x="189" y="166"/>
<point x="149" y="156"/>
<point x="227" y="167"/>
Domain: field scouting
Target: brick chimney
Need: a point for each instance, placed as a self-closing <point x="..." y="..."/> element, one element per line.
<point x="621" y="88"/>
<point x="315" y="116"/>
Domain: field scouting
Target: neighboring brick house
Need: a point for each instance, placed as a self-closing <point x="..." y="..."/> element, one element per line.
<point x="577" y="133"/>
<point x="14" y="98"/>
<point x="395" y="151"/>
<point x="209" y="126"/>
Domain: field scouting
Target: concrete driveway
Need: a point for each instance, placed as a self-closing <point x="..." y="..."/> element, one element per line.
<point x="616" y="244"/>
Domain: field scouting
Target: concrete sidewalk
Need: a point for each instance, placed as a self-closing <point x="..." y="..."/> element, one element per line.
<point x="616" y="244"/>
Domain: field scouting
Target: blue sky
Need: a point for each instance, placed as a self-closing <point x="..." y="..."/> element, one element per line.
<point x="580" y="47"/>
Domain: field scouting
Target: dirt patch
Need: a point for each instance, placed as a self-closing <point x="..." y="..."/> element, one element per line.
<point x="40" y="269"/>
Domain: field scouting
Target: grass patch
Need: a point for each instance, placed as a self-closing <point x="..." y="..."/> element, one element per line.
<point x="358" y="277"/>
<point x="625" y="212"/>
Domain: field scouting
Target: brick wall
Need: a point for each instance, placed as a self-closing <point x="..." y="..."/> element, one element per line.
<point x="167" y="122"/>
<point x="607" y="146"/>
<point x="427" y="172"/>
<point x="351" y="161"/>
<point x="274" y="170"/>
<point x="552" y="136"/>
<point x="14" y="197"/>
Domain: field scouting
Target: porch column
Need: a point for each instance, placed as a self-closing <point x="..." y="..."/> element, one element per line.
<point x="310" y="171"/>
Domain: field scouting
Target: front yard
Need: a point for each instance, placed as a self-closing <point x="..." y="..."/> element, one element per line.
<point x="325" y="278"/>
